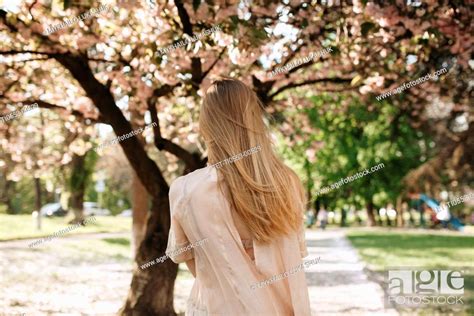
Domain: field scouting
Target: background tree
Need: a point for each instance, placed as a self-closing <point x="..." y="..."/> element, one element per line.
<point x="82" y="168"/>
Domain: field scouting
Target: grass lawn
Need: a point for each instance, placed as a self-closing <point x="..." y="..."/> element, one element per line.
<point x="425" y="250"/>
<point x="23" y="226"/>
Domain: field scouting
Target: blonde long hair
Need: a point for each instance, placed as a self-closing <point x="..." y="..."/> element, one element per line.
<point x="266" y="194"/>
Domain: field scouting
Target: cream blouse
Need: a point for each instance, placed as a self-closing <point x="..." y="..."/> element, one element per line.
<point x="230" y="267"/>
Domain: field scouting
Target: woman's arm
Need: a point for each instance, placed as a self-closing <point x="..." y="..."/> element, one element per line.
<point x="191" y="264"/>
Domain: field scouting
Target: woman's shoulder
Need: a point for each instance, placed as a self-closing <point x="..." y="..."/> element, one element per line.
<point x="192" y="181"/>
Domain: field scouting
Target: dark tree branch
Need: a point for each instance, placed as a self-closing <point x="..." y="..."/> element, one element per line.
<point x="262" y="89"/>
<point x="304" y="65"/>
<point x="52" y="55"/>
<point x="163" y="143"/>
<point x="292" y="55"/>
<point x="196" y="72"/>
<point x="105" y="60"/>
<point x="184" y="17"/>
<point x="7" y="88"/>
<point x="16" y="52"/>
<point x="29" y="10"/>
<point x="3" y="17"/>
<point x="13" y="28"/>
<point x="164" y="90"/>
<point x="54" y="107"/>
<point x="78" y="66"/>
<point x="146" y="169"/>
<point x="28" y="60"/>
<point x="308" y="82"/>
<point x="312" y="38"/>
<point x="214" y="63"/>
<point x="167" y="145"/>
<point x="196" y="65"/>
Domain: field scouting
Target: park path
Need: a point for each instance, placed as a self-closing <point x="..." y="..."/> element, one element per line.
<point x="56" y="280"/>
<point x="52" y="280"/>
<point x="338" y="284"/>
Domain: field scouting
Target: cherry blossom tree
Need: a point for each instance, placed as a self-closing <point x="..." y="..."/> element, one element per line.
<point x="103" y="69"/>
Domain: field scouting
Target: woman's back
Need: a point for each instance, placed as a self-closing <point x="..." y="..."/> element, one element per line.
<point x="227" y="277"/>
<point x="238" y="224"/>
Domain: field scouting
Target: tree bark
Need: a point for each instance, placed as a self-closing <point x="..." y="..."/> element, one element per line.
<point x="308" y="185"/>
<point x="151" y="291"/>
<point x="149" y="173"/>
<point x="400" y="210"/>
<point x="38" y="202"/>
<point x="389" y="221"/>
<point x="5" y="196"/>
<point x="317" y="207"/>
<point x="78" y="187"/>
<point x="140" y="205"/>
<point x="370" y="214"/>
<point x="343" y="217"/>
<point x="139" y="212"/>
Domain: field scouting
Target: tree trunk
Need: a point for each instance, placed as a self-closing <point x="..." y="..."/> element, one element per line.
<point x="389" y="221"/>
<point x="140" y="199"/>
<point x="78" y="187"/>
<point x="5" y="196"/>
<point x="151" y="291"/>
<point x="309" y="187"/>
<point x="317" y="207"/>
<point x="309" y="184"/>
<point x="343" y="217"/>
<point x="370" y="214"/>
<point x="38" y="202"/>
<point x="77" y="201"/>
<point x="139" y="213"/>
<point x="400" y="210"/>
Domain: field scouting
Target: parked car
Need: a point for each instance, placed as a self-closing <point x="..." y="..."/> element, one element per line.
<point x="126" y="213"/>
<point x="53" y="209"/>
<point x="91" y="209"/>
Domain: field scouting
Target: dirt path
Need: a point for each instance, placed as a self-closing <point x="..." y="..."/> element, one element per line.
<point x="338" y="284"/>
<point x="54" y="279"/>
